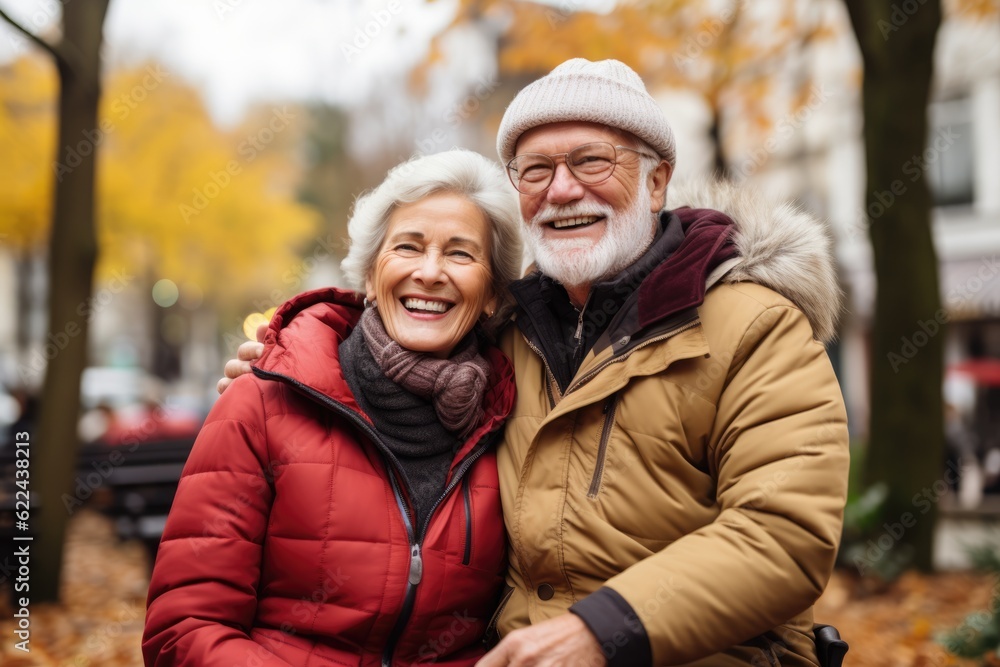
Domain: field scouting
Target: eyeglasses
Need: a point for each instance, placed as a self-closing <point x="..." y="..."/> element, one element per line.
<point x="532" y="173"/>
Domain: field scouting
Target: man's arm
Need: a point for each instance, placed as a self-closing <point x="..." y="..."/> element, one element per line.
<point x="779" y="452"/>
<point x="246" y="354"/>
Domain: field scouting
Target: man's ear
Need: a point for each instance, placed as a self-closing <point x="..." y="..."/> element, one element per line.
<point x="658" y="180"/>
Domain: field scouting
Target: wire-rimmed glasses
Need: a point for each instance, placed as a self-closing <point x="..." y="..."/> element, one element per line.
<point x="532" y="173"/>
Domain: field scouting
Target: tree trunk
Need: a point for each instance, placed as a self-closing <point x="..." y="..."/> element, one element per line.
<point x="720" y="163"/>
<point x="72" y="255"/>
<point x="906" y="448"/>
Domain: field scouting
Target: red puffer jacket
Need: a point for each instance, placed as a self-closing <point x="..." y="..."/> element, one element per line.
<point x="290" y="543"/>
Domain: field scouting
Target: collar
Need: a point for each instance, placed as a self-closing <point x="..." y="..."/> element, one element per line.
<point x="660" y="288"/>
<point x="679" y="282"/>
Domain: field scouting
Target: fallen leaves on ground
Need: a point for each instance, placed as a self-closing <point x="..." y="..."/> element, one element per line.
<point x="896" y="626"/>
<point x="100" y="621"/>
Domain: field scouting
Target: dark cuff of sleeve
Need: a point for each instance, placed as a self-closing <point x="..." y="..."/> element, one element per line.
<point x="617" y="627"/>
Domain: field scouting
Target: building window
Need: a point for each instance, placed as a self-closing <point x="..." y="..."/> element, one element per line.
<point x="949" y="157"/>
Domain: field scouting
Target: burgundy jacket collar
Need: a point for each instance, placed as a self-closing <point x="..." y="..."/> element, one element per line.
<point x="679" y="282"/>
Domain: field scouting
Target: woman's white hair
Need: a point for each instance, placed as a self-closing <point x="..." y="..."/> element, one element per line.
<point x="460" y="172"/>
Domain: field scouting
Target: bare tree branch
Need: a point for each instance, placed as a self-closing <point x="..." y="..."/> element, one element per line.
<point x="39" y="42"/>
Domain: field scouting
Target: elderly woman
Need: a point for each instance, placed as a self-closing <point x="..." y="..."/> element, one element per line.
<point x="341" y="504"/>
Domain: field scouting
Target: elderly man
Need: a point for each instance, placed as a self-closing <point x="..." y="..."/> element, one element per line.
<point x="674" y="473"/>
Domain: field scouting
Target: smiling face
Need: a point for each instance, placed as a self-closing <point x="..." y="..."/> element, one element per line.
<point x="432" y="276"/>
<point x="578" y="233"/>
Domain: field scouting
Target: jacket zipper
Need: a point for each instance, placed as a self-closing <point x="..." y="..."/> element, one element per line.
<point x="614" y="360"/>
<point x="412" y="579"/>
<point x="610" y="407"/>
<point x="416" y="569"/>
<point x="467" y="557"/>
<point x="415" y="559"/>
<point x="578" y="335"/>
<point x="549" y="377"/>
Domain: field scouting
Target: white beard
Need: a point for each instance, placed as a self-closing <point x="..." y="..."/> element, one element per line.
<point x="581" y="262"/>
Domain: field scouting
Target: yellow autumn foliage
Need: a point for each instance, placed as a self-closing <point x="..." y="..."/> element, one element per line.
<point x="177" y="197"/>
<point x="27" y="144"/>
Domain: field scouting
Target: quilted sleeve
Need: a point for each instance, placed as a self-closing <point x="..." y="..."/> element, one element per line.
<point x="203" y="593"/>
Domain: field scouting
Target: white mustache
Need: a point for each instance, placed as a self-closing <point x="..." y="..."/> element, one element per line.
<point x="552" y="212"/>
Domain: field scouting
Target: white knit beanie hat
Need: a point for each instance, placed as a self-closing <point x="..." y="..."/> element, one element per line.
<point x="607" y="92"/>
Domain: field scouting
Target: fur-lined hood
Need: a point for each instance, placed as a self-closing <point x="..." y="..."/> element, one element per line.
<point x="779" y="246"/>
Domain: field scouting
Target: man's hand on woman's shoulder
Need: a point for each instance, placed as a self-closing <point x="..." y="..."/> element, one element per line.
<point x="246" y="354"/>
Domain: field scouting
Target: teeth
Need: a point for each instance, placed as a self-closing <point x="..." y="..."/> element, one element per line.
<point x="420" y="304"/>
<point x="575" y="222"/>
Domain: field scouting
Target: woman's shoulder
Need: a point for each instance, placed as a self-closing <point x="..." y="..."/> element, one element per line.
<point x="254" y="401"/>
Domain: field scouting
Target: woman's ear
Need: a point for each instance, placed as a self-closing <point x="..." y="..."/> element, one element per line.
<point x="490" y="307"/>
<point x="369" y="289"/>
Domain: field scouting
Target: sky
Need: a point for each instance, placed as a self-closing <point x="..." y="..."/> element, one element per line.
<point x="241" y="52"/>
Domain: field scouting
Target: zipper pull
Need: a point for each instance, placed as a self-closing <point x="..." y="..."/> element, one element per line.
<point x="416" y="565"/>
<point x="579" y="322"/>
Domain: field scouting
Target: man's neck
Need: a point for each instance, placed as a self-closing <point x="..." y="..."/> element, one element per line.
<point x="578" y="294"/>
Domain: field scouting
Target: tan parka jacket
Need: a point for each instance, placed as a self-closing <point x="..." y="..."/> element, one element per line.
<point x="700" y="469"/>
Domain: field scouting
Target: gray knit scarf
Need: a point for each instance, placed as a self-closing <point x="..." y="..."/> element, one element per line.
<point x="455" y="385"/>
